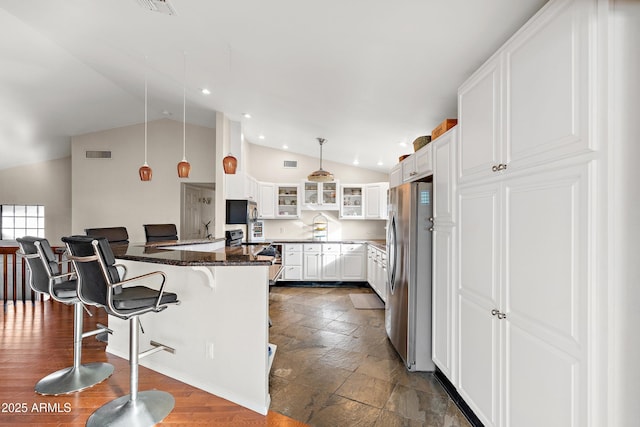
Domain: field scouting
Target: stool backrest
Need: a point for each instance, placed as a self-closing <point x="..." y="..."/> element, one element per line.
<point x="93" y="283"/>
<point x="160" y="232"/>
<point x="113" y="234"/>
<point x="41" y="269"/>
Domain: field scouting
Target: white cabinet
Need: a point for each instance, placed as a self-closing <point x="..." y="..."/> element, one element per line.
<point x="444" y="197"/>
<point x="395" y="175"/>
<point x="322" y="261"/>
<point x="240" y="186"/>
<point x="543" y="107"/>
<point x="266" y="200"/>
<point x="292" y="261"/>
<point x="287" y="201"/>
<point x="352" y="201"/>
<point x="354" y="262"/>
<point x="418" y="165"/>
<point x="320" y="195"/>
<point x="377" y="271"/>
<point x="522" y="307"/>
<point x="375" y="200"/>
<point x="527" y="318"/>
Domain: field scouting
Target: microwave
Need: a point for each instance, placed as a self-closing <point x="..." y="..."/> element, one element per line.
<point x="241" y="211"/>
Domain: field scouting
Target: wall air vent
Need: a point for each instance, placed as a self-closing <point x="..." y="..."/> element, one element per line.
<point x="162" y="6"/>
<point x="290" y="164"/>
<point x="98" y="154"/>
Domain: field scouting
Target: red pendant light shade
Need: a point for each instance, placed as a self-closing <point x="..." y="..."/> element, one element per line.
<point x="229" y="163"/>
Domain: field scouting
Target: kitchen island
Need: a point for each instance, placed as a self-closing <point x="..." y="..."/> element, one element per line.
<point x="220" y="328"/>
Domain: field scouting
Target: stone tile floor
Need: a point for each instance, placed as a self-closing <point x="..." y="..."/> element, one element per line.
<point x="334" y="366"/>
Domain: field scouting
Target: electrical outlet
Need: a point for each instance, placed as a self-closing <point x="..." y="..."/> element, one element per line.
<point x="209" y="349"/>
<point x="281" y="230"/>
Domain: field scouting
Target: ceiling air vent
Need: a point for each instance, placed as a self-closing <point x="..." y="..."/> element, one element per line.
<point x="162" y="6"/>
<point x="98" y="154"/>
<point x="290" y="164"/>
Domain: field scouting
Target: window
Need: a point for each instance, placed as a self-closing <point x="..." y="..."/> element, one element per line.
<point x="21" y="220"/>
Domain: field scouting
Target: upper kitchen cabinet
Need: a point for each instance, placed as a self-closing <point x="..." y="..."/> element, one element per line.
<point x="418" y="165"/>
<point x="528" y="104"/>
<point x="266" y="200"/>
<point x="240" y="186"/>
<point x="375" y="200"/>
<point x="352" y="201"/>
<point x="287" y="198"/>
<point x="320" y="195"/>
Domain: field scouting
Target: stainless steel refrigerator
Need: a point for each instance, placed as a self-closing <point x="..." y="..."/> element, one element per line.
<point x="408" y="305"/>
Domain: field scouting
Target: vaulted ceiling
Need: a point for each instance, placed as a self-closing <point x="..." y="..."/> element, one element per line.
<point x="367" y="75"/>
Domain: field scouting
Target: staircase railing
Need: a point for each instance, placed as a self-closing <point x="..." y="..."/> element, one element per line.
<point x="14" y="277"/>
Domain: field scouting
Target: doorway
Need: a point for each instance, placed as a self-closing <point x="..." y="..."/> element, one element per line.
<point x="197" y="216"/>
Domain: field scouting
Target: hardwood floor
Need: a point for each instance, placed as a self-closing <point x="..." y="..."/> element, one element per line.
<point x="37" y="339"/>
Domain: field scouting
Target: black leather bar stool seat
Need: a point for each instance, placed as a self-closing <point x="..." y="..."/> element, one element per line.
<point x="99" y="284"/>
<point x="46" y="278"/>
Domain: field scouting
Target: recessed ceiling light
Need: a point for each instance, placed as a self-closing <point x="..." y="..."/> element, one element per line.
<point x="380" y="163"/>
<point x="261" y="137"/>
<point x="166" y="113"/>
<point x="246" y="115"/>
<point x="356" y="162"/>
<point x="285" y="147"/>
<point x="206" y="91"/>
<point x="403" y="144"/>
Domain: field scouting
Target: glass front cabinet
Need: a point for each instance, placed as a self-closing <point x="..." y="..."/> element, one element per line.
<point x="352" y="201"/>
<point x="287" y="196"/>
<point x="320" y="195"/>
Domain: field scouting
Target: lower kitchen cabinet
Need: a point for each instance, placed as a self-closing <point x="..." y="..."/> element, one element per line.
<point x="377" y="271"/>
<point x="292" y="261"/>
<point x="522" y="297"/>
<point x="354" y="261"/>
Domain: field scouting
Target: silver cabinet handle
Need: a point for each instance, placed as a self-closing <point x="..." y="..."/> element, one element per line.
<point x="494" y="168"/>
<point x="500" y="315"/>
<point x="413" y="173"/>
<point x="499" y="167"/>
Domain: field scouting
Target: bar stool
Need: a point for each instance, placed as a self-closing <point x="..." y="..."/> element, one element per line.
<point x="46" y="278"/>
<point x="160" y="232"/>
<point x="99" y="284"/>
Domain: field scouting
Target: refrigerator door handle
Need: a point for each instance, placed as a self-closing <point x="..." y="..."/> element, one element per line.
<point x="392" y="253"/>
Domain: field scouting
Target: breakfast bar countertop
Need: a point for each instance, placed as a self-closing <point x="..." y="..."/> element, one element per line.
<point x="169" y="253"/>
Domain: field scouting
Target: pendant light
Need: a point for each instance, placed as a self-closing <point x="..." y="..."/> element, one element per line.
<point x="321" y="175"/>
<point x="184" y="167"/>
<point x="229" y="163"/>
<point x="145" y="171"/>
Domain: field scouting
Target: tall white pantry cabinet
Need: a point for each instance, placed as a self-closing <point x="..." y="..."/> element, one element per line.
<point x="544" y="320"/>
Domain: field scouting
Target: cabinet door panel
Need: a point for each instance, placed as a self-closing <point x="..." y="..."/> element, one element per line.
<point x="478" y="360"/>
<point x="479" y="109"/>
<point x="478" y="243"/>
<point x="312" y="266"/>
<point x="443" y="179"/>
<point x="538" y="372"/>
<point x="547" y="68"/>
<point x="331" y="266"/>
<point x="545" y="250"/>
<point x="442" y="301"/>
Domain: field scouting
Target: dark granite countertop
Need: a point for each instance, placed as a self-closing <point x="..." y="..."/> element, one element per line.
<point x="158" y="254"/>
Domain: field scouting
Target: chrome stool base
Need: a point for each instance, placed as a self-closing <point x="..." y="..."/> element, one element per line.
<point x="72" y="379"/>
<point x="150" y="407"/>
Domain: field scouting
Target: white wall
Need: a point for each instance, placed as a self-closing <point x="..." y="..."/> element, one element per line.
<point x="265" y="164"/>
<point x="46" y="183"/>
<point x="109" y="193"/>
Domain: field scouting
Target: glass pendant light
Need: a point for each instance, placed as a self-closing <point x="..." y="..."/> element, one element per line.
<point x="229" y="163"/>
<point x="321" y="175"/>
<point x="184" y="167"/>
<point x="145" y="171"/>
